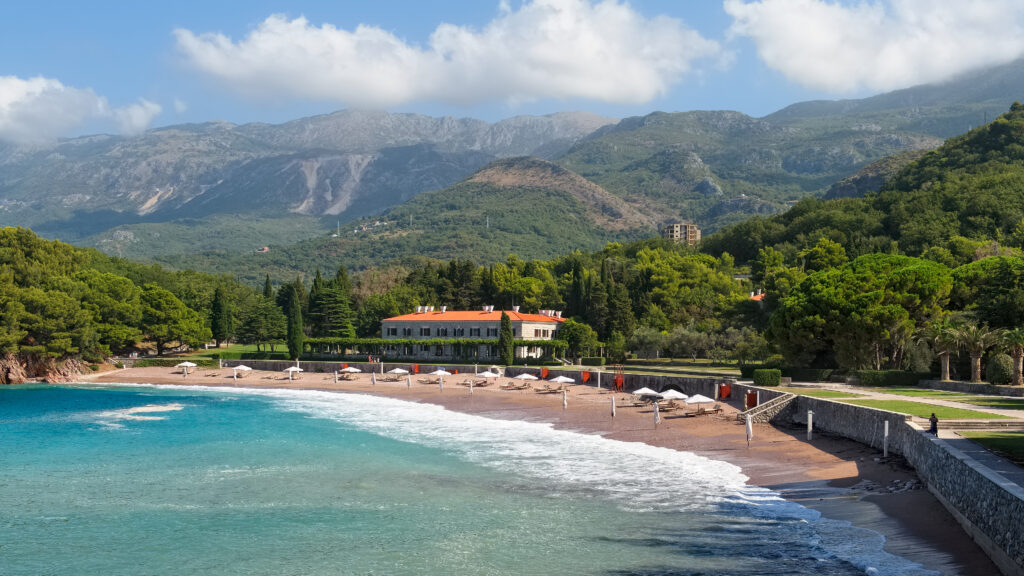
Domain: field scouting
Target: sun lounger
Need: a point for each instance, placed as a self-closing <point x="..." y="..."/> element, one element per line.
<point x="433" y="381"/>
<point x="717" y="409"/>
<point x="548" y="389"/>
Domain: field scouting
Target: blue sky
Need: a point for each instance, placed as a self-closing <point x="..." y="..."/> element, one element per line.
<point x="68" y="68"/>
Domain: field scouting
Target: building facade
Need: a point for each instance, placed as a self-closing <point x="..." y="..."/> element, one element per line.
<point x="432" y="325"/>
<point x="681" y="232"/>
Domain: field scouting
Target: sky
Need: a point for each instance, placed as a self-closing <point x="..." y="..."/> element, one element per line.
<point x="73" y="68"/>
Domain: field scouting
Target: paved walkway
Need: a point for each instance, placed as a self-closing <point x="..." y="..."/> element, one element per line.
<point x="947" y="401"/>
<point x="996" y="463"/>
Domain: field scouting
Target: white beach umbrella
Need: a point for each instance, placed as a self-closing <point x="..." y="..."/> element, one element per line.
<point x="526" y="376"/>
<point x="351" y="370"/>
<point x="561" y="380"/>
<point x="698" y="399"/>
<point x="440" y="372"/>
<point x="646" y="392"/>
<point x="243" y="368"/>
<point x="673" y="395"/>
<point x="293" y="369"/>
<point x="398" y="371"/>
<point x="488" y="374"/>
<point x="186" y="365"/>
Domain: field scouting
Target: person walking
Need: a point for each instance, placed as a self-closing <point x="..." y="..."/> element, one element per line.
<point x="934" y="428"/>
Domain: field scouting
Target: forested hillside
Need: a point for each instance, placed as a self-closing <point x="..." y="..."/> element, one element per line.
<point x="960" y="201"/>
<point x="61" y="302"/>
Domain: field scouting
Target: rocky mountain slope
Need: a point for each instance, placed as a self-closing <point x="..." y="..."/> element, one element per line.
<point x="324" y="165"/>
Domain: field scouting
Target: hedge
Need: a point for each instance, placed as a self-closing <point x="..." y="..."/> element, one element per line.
<point x="809" y="374"/>
<point x="592" y="361"/>
<point x="747" y="371"/>
<point x="172" y="362"/>
<point x="767" y="377"/>
<point x="890" y="378"/>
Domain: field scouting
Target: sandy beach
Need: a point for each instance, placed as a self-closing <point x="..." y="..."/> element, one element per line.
<point x="832" y="475"/>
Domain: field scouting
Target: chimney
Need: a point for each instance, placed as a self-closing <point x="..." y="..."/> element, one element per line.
<point x="419" y="309"/>
<point x="484" y="308"/>
<point x="443" y="308"/>
<point x="558" y="314"/>
<point x="751" y="294"/>
<point x="515" y="308"/>
<point x="490" y="308"/>
<point x="431" y="309"/>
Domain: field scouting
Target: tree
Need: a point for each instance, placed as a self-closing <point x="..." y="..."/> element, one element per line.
<point x="647" y="342"/>
<point x="268" y="290"/>
<point x="263" y="322"/>
<point x="823" y="255"/>
<point x="616" y="349"/>
<point x="295" y="334"/>
<point x="1013" y="341"/>
<point x="579" y="337"/>
<point x="941" y="335"/>
<point x="976" y="339"/>
<point x="506" y="341"/>
<point x="221" y="318"/>
<point x="165" y="319"/>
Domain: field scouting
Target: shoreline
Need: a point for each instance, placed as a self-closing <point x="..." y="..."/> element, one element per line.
<point x="831" y="475"/>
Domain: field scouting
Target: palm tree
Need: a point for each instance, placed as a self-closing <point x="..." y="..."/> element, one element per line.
<point x="1013" y="340"/>
<point x="976" y="340"/>
<point x="941" y="335"/>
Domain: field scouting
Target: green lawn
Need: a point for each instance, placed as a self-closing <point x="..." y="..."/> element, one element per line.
<point x="818" y="393"/>
<point x="1009" y="445"/>
<point x="919" y="392"/>
<point x="924" y="410"/>
<point x="994" y="402"/>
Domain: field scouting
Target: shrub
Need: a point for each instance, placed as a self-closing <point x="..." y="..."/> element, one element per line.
<point x="747" y="370"/>
<point x="94" y="367"/>
<point x="592" y="361"/>
<point x="999" y="369"/>
<point x="767" y="377"/>
<point x="119" y="365"/>
<point x="890" y="378"/>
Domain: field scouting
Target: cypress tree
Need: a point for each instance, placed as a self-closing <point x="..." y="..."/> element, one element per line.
<point x="268" y="290"/>
<point x="294" y="335"/>
<point x="506" y="341"/>
<point x="221" y="324"/>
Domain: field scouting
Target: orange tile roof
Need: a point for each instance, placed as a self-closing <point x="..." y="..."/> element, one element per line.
<point x="758" y="297"/>
<point x="471" y="315"/>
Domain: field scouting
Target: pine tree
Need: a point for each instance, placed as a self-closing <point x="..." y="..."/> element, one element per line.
<point x="221" y="324"/>
<point x="506" y="341"/>
<point x="295" y="335"/>
<point x="338" y="319"/>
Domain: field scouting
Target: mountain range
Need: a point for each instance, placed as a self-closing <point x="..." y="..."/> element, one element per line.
<point x="219" y="187"/>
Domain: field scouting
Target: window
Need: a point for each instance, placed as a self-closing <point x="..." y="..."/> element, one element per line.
<point x="460" y="331"/>
<point x="424" y="331"/>
<point x="442" y="331"/>
<point x="439" y="350"/>
<point x="406" y="331"/>
<point x="474" y="331"/>
<point x="492" y="331"/>
<point x="392" y="331"/>
<point x="536" y="333"/>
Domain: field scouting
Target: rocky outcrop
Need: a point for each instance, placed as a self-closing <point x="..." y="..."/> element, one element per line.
<point x="20" y="368"/>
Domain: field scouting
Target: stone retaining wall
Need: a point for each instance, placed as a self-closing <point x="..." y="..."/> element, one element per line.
<point x="989" y="507"/>
<point x="971" y="388"/>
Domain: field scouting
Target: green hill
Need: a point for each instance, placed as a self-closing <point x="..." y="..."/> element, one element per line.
<point x="950" y="205"/>
<point x="522" y="206"/>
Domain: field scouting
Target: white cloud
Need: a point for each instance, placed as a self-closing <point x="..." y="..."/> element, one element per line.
<point x="40" y="109"/>
<point x="135" y="118"/>
<point x="602" y="51"/>
<point x="880" y="45"/>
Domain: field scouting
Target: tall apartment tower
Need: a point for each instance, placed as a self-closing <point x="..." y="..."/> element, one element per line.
<point x="681" y="232"/>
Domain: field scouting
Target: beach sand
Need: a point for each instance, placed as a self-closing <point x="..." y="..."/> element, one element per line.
<point x="825" y="474"/>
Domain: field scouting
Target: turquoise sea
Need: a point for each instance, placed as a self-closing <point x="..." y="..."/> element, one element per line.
<point x="140" y="480"/>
